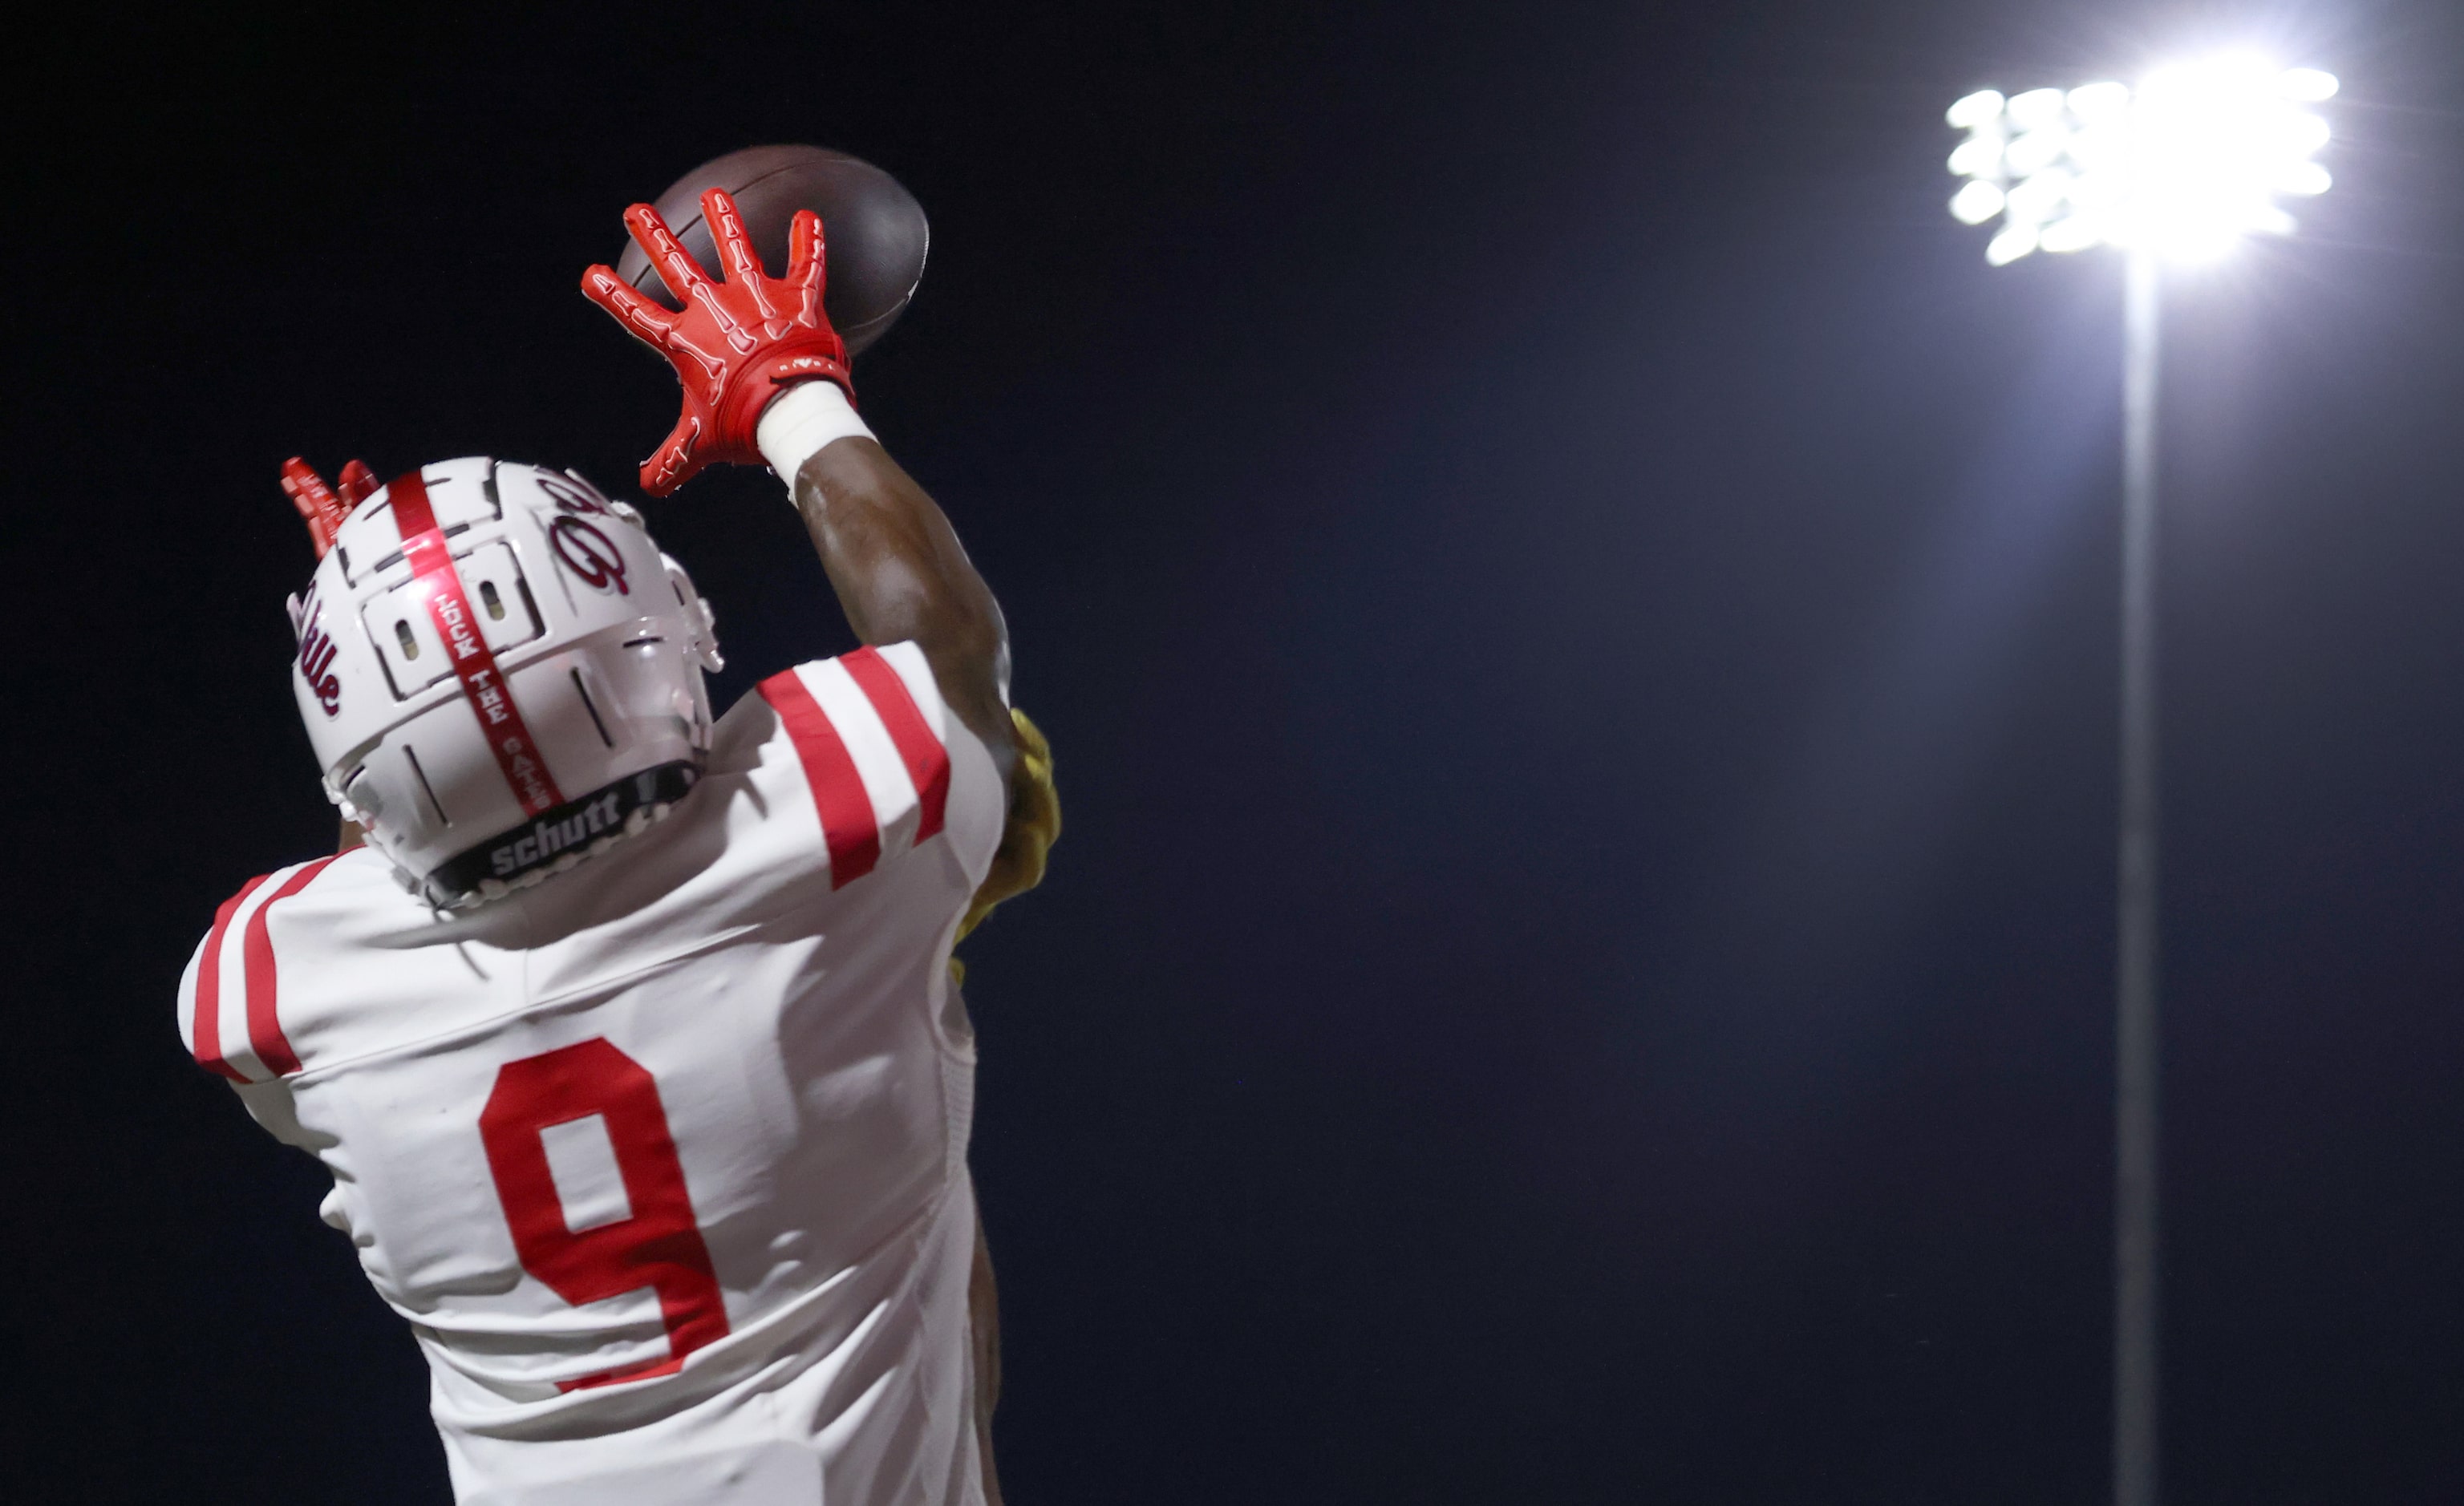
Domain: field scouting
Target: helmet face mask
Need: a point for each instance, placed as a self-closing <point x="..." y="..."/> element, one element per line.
<point x="500" y="676"/>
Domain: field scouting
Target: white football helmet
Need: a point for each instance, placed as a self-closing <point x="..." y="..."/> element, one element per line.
<point x="501" y="674"/>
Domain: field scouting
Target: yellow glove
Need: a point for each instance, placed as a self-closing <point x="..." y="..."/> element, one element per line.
<point x="1034" y="825"/>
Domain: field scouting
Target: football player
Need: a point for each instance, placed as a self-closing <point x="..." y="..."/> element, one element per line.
<point x="629" y="1034"/>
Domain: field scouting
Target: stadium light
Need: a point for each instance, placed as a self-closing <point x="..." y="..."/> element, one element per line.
<point x="2185" y="164"/>
<point x="2180" y="168"/>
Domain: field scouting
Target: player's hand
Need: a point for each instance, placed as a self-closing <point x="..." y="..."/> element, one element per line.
<point x="735" y="345"/>
<point x="318" y="507"/>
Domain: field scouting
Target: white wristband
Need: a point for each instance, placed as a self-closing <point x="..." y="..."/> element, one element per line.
<point x="800" y="422"/>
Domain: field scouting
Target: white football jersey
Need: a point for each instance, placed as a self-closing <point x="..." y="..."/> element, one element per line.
<point x="663" y="1160"/>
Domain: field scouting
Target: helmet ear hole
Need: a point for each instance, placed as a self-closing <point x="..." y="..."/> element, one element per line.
<point x="410" y="756"/>
<point x="598" y="723"/>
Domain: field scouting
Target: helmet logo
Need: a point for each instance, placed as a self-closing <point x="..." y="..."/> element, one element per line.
<point x="316" y="651"/>
<point x="573" y="494"/>
<point x="589" y="554"/>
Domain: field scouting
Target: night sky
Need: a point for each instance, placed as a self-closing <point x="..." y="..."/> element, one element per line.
<point x="1575" y="614"/>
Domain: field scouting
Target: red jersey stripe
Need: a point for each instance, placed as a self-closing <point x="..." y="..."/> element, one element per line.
<point x="205" y="1029"/>
<point x="839" y="797"/>
<point x="256" y="958"/>
<point x="483" y="684"/>
<point x="928" y="762"/>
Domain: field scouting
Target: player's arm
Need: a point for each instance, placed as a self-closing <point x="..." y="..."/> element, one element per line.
<point x="896" y="565"/>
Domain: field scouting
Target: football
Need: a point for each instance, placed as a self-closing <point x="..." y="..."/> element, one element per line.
<point x="872" y="229"/>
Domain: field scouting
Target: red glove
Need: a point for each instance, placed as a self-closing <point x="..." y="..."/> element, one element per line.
<point x="737" y="345"/>
<point x="318" y="505"/>
<point x="359" y="482"/>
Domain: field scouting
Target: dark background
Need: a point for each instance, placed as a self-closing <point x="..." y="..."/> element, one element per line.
<point x="1575" y="613"/>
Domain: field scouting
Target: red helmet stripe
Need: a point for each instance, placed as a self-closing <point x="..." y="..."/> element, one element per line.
<point x="491" y="699"/>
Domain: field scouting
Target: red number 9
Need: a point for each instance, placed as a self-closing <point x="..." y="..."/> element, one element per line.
<point x="658" y="1246"/>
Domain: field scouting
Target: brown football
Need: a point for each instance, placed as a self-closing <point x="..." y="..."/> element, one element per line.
<point x="873" y="230"/>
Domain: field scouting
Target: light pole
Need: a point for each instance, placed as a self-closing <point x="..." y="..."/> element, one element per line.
<point x="2178" y="169"/>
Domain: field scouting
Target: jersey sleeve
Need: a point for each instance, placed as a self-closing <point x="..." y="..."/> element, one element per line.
<point x="231" y="1005"/>
<point x="871" y="764"/>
